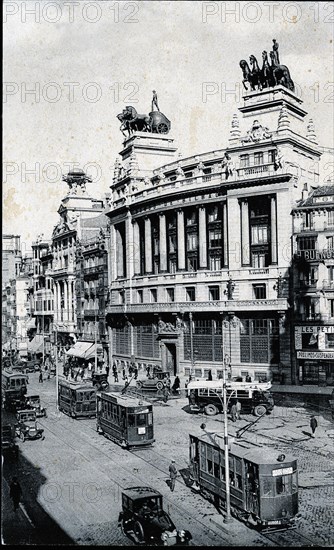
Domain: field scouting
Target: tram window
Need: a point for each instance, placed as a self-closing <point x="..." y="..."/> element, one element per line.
<point x="79" y="396"/>
<point x="210" y="469"/>
<point x="131" y="419"/>
<point x="280" y="485"/>
<point x="12" y="383"/>
<point x="267" y="488"/>
<point x="141" y="419"/>
<point x="232" y="479"/>
<point x="216" y="470"/>
<point x="149" y="419"/>
<point x="222" y="473"/>
<point x="238" y="481"/>
<point x="294" y="482"/>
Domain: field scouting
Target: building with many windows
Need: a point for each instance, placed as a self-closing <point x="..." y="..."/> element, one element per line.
<point x="201" y="247"/>
<point x="313" y="278"/>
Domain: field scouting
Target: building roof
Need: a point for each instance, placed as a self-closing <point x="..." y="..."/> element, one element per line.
<point x="97" y="222"/>
<point x="321" y="195"/>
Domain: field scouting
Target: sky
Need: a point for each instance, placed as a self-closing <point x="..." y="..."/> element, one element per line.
<point x="71" y="66"/>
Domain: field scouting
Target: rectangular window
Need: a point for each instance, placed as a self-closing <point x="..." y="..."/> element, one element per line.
<point x="244" y="161"/>
<point x="215" y="238"/>
<point x="330" y="243"/>
<point x="330" y="220"/>
<point x="192" y="263"/>
<point x="258" y="158"/>
<point x="259" y="291"/>
<point x="191" y="218"/>
<point x="307" y="243"/>
<point x="271" y="155"/>
<point x="214" y="293"/>
<point x="170" y="294"/>
<point x="215" y="263"/>
<point x="172" y="265"/>
<point x="213" y="214"/>
<point x="190" y="294"/>
<point x="259" y="234"/>
<point x="192" y="241"/>
<point x="140" y="296"/>
<point x="331" y="311"/>
<point x="154" y="295"/>
<point x="172" y="243"/>
<point x="259" y="259"/>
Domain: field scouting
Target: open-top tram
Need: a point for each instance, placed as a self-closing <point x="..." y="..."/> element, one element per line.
<point x="126" y="420"/>
<point x="263" y="482"/>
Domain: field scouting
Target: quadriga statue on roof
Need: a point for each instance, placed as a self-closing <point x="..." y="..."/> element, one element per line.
<point x="155" y="121"/>
<point x="269" y="75"/>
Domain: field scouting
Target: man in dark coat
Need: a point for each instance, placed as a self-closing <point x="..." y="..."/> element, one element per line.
<point x="15" y="493"/>
<point x="313" y="424"/>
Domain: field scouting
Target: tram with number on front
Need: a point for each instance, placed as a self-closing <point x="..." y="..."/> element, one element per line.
<point x="207" y="396"/>
<point x="126" y="420"/>
<point x="14" y="388"/>
<point x="77" y="399"/>
<point x="263" y="483"/>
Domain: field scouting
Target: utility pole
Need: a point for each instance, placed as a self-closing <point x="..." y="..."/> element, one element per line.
<point x="56" y="337"/>
<point x="95" y="345"/>
<point x="228" y="517"/>
<point x="191" y="343"/>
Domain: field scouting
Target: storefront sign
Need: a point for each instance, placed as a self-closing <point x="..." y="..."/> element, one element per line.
<point x="315" y="354"/>
<point x="310" y="255"/>
<point x="314" y="330"/>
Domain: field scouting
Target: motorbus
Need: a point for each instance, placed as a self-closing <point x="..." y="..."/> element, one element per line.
<point x="14" y="388"/>
<point x="125" y="420"/>
<point x="77" y="399"/>
<point x="207" y="396"/>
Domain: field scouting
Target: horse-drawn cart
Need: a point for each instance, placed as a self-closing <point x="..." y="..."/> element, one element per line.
<point x="159" y="123"/>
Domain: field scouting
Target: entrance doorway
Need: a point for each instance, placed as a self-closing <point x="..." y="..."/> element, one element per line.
<point x="170" y="358"/>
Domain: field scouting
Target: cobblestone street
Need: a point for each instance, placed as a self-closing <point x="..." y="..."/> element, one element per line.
<point x="76" y="476"/>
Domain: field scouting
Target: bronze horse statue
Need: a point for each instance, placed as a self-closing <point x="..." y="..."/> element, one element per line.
<point x="266" y="74"/>
<point x="249" y="76"/>
<point x="132" y="121"/>
<point x="281" y="74"/>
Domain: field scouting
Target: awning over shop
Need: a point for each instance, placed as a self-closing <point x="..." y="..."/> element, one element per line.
<point x="85" y="350"/>
<point x="80" y="349"/>
<point x="36" y="344"/>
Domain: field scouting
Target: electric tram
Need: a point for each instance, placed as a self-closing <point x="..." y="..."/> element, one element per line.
<point x="14" y="388"/>
<point x="263" y="482"/>
<point x="77" y="399"/>
<point x="126" y="420"/>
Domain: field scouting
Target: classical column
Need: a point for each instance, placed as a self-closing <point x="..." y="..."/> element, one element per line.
<point x="181" y="257"/>
<point x="65" y="301"/>
<point x="148" y="246"/>
<point x="273" y="231"/>
<point x="162" y="242"/>
<point x="202" y="239"/>
<point x="225" y="235"/>
<point x="245" y="255"/>
<point x="136" y="247"/>
<point x="70" y="297"/>
<point x="55" y="300"/>
<point x="129" y="247"/>
<point x="119" y="253"/>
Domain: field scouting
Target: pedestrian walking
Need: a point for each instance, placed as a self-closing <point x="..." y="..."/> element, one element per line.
<point x="176" y="385"/>
<point x="313" y="424"/>
<point x="148" y="370"/>
<point x="40" y="378"/>
<point x="165" y="393"/>
<point x="15" y="492"/>
<point x="107" y="370"/>
<point x="234" y="412"/>
<point x="238" y="409"/>
<point x="172" y="475"/>
<point x="123" y="373"/>
<point x="248" y="378"/>
<point x="135" y="371"/>
<point x="210" y="375"/>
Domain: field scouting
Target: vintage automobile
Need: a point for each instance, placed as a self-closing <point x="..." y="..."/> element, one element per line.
<point x="31" y="365"/>
<point x="27" y="427"/>
<point x="8" y="446"/>
<point x="34" y="402"/>
<point x="153" y="383"/>
<point x="144" y="520"/>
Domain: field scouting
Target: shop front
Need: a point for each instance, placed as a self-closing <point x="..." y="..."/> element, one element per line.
<point x="315" y="354"/>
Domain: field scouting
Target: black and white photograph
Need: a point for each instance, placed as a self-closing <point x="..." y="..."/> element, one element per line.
<point x="168" y="273"/>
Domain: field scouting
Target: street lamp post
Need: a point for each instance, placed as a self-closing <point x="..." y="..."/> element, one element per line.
<point x="56" y="338"/>
<point x="228" y="517"/>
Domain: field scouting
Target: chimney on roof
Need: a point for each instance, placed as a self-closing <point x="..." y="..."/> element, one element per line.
<point x="304" y="192"/>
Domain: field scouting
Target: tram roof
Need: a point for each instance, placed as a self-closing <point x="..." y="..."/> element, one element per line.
<point x="12" y="374"/>
<point x="126" y="400"/>
<point x="76" y="385"/>
<point x="246" y="450"/>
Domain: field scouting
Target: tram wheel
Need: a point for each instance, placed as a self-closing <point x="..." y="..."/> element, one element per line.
<point x="160" y="385"/>
<point x="210" y="410"/>
<point x="259" y="410"/>
<point x="139" y="531"/>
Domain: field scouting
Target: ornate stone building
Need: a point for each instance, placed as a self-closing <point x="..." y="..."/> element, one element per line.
<point x="201" y="246"/>
<point x="313" y="262"/>
<point x="75" y="210"/>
